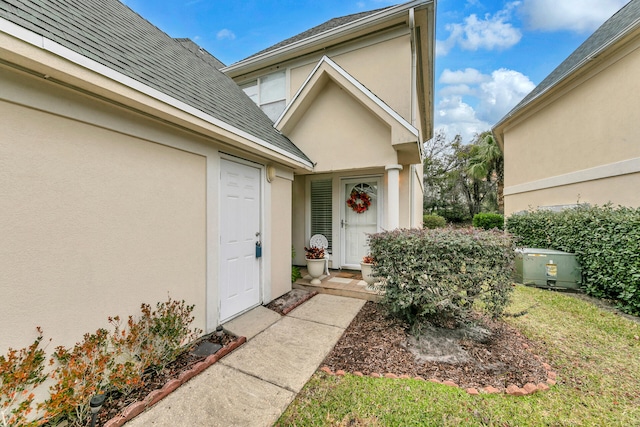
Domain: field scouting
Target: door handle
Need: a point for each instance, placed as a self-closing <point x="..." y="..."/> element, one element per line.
<point x="343" y="223"/>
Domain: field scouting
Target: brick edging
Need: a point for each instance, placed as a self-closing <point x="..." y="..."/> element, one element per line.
<point x="298" y="303"/>
<point x="512" y="390"/>
<point x="136" y="408"/>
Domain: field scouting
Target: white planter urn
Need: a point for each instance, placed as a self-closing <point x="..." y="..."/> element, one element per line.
<point x="367" y="274"/>
<point x="315" y="268"/>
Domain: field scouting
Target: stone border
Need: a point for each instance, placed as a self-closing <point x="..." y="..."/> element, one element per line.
<point x="298" y="303"/>
<point x="512" y="390"/>
<point x="136" y="408"/>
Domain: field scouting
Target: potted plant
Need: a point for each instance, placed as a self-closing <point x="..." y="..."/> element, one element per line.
<point x="315" y="263"/>
<point x="366" y="267"/>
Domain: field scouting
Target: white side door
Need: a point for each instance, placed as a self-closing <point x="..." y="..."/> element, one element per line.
<point x="240" y="206"/>
<point x="359" y="218"/>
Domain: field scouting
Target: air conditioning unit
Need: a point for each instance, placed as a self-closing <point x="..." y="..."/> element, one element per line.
<point x="547" y="268"/>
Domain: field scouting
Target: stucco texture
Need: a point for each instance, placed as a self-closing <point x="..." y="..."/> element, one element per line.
<point x="589" y="123"/>
<point x="384" y="67"/>
<point x="94" y="223"/>
<point x="338" y="133"/>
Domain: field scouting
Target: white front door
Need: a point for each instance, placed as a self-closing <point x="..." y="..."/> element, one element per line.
<point x="239" y="222"/>
<point x="360" y="215"/>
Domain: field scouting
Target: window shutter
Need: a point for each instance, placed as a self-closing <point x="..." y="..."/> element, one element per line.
<point x="321" y="192"/>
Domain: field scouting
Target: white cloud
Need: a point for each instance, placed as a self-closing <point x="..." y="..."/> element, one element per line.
<point x="225" y="34"/>
<point x="457" y="90"/>
<point x="500" y="94"/>
<point x="572" y="15"/>
<point x="471" y="102"/>
<point x="455" y="117"/>
<point x="490" y="32"/>
<point x="466" y="76"/>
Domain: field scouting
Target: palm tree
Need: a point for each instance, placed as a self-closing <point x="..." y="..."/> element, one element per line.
<point x="487" y="161"/>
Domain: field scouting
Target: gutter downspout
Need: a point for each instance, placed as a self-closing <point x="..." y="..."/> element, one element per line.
<point x="413" y="102"/>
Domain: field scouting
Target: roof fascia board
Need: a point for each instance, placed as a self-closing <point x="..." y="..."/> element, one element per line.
<point x="571" y="72"/>
<point x="346" y="29"/>
<point x="57" y="49"/>
<point x="326" y="60"/>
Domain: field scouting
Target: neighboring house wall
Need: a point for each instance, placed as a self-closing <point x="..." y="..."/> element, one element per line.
<point x="581" y="143"/>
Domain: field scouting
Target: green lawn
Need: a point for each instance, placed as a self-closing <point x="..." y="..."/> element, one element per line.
<point x="594" y="352"/>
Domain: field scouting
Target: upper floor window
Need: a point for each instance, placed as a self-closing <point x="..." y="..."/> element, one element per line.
<point x="269" y="92"/>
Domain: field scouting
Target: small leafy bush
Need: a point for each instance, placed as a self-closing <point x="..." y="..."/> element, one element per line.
<point x="21" y="371"/>
<point x="606" y="241"/>
<point x="437" y="275"/>
<point x="80" y="372"/>
<point x="488" y="221"/>
<point x="165" y="331"/>
<point x="102" y="362"/>
<point x="433" y="221"/>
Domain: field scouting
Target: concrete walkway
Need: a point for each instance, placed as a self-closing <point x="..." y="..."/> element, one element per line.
<point x="253" y="385"/>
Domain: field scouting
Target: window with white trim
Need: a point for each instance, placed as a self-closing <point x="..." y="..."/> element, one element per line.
<point x="269" y="93"/>
<point x="321" y="212"/>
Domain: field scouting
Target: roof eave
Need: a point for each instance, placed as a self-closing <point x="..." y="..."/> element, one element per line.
<point x="50" y="47"/>
<point x="284" y="52"/>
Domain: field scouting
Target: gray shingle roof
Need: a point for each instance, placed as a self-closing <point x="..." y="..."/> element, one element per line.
<point x="326" y="26"/>
<point x="614" y="27"/>
<point x="110" y="33"/>
<point x="201" y="52"/>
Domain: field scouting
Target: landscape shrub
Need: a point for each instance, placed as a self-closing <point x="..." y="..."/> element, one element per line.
<point x="437" y="275"/>
<point x="433" y="221"/>
<point x="21" y="371"/>
<point x="80" y="373"/>
<point x="101" y="363"/>
<point x="605" y="239"/>
<point x="488" y="221"/>
<point x="164" y="332"/>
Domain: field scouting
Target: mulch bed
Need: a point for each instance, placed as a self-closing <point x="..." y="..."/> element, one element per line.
<point x="290" y="300"/>
<point x="116" y="403"/>
<point x="376" y="343"/>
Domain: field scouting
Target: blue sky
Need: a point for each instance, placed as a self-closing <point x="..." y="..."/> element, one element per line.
<point x="490" y="53"/>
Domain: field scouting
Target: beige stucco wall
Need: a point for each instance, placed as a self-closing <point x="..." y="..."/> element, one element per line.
<point x="384" y="67"/>
<point x="590" y="124"/>
<point x="339" y="134"/>
<point x="623" y="189"/>
<point x="281" y="217"/>
<point x="94" y="223"/>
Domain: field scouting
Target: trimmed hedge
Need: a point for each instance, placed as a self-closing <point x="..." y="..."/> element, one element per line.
<point x="488" y="221"/>
<point x="606" y="241"/>
<point x="437" y="275"/>
<point x="433" y="221"/>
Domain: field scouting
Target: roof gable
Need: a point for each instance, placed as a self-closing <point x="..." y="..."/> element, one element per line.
<point x="111" y="34"/>
<point x="404" y="136"/>
<point x="620" y="24"/>
<point x="319" y="29"/>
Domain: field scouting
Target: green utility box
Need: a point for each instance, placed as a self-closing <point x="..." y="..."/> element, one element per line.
<point x="547" y="268"/>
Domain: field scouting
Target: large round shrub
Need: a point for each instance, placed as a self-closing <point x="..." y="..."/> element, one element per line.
<point x="438" y="275"/>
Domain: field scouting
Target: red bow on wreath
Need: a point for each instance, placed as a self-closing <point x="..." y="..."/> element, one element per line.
<point x="359" y="201"/>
